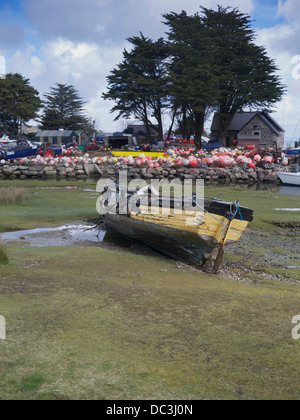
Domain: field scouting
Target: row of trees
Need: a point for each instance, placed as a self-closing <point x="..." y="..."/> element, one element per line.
<point x="20" y="103"/>
<point x="209" y="62"/>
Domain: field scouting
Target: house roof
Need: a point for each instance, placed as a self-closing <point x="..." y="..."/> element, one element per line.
<point x="241" y="119"/>
<point x="55" y="133"/>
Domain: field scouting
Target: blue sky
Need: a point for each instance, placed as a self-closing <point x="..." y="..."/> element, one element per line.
<point x="265" y="14"/>
<point x="80" y="41"/>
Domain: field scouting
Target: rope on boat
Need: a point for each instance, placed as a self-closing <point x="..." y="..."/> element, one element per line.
<point x="244" y="236"/>
<point x="236" y="211"/>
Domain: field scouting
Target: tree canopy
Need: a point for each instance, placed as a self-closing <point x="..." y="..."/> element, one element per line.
<point x="63" y="108"/>
<point x="138" y="85"/>
<point x="209" y="62"/>
<point x="19" y="103"/>
<point x="248" y="76"/>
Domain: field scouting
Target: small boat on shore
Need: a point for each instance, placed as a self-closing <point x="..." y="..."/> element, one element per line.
<point x="187" y="231"/>
<point x="290" y="178"/>
<point x="17" y="149"/>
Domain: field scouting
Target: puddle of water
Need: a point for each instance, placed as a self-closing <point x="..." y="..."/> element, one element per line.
<point x="287" y="209"/>
<point x="61" y="236"/>
<point x="289" y="191"/>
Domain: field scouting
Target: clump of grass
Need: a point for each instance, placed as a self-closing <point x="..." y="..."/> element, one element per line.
<point x="3" y="255"/>
<point x="12" y="196"/>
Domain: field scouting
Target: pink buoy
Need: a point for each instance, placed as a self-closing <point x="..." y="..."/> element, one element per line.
<point x="223" y="163"/>
<point x="268" y="159"/>
<point x="257" y="158"/>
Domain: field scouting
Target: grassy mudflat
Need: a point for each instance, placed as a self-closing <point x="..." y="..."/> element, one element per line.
<point x="94" y="323"/>
<point x="48" y="204"/>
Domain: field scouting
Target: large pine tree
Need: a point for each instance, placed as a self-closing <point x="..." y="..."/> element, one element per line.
<point x="210" y="63"/>
<point x="138" y="85"/>
<point x="19" y="103"/>
<point x="247" y="77"/>
<point x="193" y="73"/>
<point x="63" y="108"/>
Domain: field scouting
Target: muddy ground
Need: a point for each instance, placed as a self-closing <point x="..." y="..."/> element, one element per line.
<point x="272" y="256"/>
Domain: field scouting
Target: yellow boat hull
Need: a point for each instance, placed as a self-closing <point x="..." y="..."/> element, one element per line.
<point x="192" y="237"/>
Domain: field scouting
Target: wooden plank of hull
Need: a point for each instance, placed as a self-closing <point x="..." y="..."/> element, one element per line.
<point x="183" y="245"/>
<point x="192" y="235"/>
<point x="202" y="224"/>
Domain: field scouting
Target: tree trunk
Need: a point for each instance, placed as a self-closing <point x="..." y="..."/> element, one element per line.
<point x="184" y="123"/>
<point x="160" y="126"/>
<point x="146" y="122"/>
<point x="225" y="119"/>
<point x="172" y="123"/>
<point x="224" y="123"/>
<point x="199" y="127"/>
<point x="4" y="124"/>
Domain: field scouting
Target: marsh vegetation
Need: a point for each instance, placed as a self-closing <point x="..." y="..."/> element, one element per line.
<point x="87" y="322"/>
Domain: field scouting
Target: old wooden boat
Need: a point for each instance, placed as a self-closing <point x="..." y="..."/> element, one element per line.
<point x="190" y="232"/>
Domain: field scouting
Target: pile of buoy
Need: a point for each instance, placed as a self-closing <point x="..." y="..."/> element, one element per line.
<point x="188" y="158"/>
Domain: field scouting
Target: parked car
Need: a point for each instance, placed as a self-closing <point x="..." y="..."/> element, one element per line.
<point x="93" y="146"/>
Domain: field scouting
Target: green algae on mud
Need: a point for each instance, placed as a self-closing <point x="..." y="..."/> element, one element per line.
<point x="48" y="207"/>
<point x="90" y="323"/>
<point x="264" y="204"/>
<point x="95" y="323"/>
<point x="51" y="202"/>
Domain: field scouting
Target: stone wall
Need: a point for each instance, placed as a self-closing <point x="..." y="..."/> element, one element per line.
<point x="32" y="171"/>
<point x="236" y="175"/>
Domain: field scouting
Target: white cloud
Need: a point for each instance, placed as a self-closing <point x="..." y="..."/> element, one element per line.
<point x="289" y="9"/>
<point x="157" y="7"/>
<point x="27" y="63"/>
<point x="101" y="20"/>
<point x="82" y="65"/>
<point x="81" y="41"/>
<point x="282" y="44"/>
